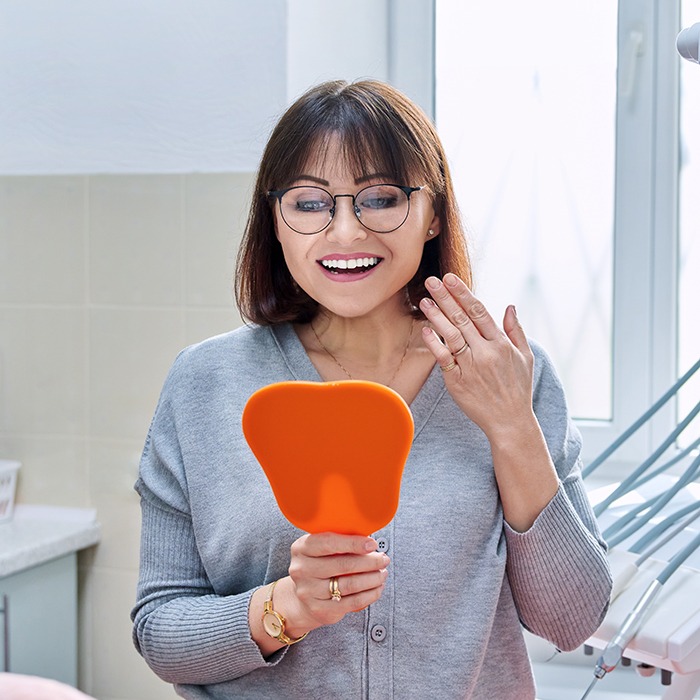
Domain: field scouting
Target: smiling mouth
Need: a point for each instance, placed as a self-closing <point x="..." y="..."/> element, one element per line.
<point x="352" y="266"/>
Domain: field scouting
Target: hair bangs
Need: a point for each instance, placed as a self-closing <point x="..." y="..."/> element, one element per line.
<point x="371" y="142"/>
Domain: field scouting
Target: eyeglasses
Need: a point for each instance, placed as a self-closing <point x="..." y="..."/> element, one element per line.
<point x="379" y="208"/>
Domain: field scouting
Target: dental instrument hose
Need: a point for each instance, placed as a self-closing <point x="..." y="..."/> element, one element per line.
<point x="630" y="482"/>
<point x="640" y="421"/>
<point x="688" y="476"/>
<point x="615" y="648"/>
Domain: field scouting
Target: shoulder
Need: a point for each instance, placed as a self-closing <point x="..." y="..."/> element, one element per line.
<point x="545" y="377"/>
<point x="241" y="339"/>
<point x="247" y="354"/>
<point x="239" y="345"/>
<point x="552" y="411"/>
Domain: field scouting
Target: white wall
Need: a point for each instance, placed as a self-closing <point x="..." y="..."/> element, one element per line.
<point x="123" y="86"/>
<point x="390" y="40"/>
<point x="331" y="40"/>
<point x="115" y="86"/>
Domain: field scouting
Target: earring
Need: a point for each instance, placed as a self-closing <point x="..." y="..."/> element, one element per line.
<point x="430" y="232"/>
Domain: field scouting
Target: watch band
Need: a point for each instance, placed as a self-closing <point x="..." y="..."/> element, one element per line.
<point x="278" y="622"/>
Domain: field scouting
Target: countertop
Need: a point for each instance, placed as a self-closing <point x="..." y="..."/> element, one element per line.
<point x="37" y="534"/>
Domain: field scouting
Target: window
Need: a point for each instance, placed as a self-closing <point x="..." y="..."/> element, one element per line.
<point x="527" y="111"/>
<point x="689" y="226"/>
<point x="561" y="125"/>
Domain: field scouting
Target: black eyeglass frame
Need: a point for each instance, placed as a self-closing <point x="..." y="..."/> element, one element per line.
<point x="408" y="191"/>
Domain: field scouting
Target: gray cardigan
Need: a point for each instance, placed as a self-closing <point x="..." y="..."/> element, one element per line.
<point x="461" y="582"/>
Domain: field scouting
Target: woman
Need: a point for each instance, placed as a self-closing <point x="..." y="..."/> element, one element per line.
<point x="354" y="266"/>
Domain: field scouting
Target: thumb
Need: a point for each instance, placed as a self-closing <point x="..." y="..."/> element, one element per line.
<point x="514" y="330"/>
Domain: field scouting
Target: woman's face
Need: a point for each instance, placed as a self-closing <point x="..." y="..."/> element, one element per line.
<point x="346" y="268"/>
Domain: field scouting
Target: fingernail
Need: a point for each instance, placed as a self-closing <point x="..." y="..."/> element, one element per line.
<point x="432" y="283"/>
<point x="451" y="279"/>
<point x="515" y="313"/>
<point x="385" y="560"/>
<point x="370" y="546"/>
<point x="427" y="302"/>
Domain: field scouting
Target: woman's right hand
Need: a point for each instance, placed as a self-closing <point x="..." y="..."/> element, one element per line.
<point x="304" y="597"/>
<point x="316" y="559"/>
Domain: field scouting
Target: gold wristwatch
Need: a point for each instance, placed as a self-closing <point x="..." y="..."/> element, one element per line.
<point x="273" y="622"/>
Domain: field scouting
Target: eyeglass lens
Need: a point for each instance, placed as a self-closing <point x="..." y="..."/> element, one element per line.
<point x="380" y="208"/>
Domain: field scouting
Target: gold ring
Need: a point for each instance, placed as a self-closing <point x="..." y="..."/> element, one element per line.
<point x="335" y="591"/>
<point x="449" y="366"/>
<point x="461" y="350"/>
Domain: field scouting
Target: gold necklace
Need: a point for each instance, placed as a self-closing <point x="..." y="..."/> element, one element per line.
<point x="398" y="367"/>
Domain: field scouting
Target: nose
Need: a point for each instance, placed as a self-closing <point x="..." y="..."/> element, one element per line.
<point x="345" y="228"/>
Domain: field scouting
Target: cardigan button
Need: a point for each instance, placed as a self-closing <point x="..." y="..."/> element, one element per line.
<point x="378" y="633"/>
<point x="382" y="544"/>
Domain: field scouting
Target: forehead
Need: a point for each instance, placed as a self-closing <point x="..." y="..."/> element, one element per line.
<point x="332" y="158"/>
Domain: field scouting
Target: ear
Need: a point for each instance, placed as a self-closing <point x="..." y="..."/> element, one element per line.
<point x="434" y="227"/>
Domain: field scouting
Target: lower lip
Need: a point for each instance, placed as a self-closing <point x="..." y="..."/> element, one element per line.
<point x="348" y="276"/>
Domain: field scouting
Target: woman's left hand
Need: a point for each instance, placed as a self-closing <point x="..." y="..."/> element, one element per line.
<point x="487" y="370"/>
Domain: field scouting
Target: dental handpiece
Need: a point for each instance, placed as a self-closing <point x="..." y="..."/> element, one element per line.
<point x="612" y="654"/>
<point x="615" y="648"/>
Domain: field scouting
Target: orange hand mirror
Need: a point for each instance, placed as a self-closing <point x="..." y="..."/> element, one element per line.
<point x="333" y="452"/>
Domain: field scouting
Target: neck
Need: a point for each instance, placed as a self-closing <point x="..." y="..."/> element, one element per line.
<point x="362" y="348"/>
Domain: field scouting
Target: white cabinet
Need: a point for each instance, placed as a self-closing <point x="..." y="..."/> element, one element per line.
<point x="39" y="589"/>
<point x="39" y="620"/>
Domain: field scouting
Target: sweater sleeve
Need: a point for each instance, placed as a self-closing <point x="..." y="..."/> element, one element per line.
<point x="558" y="569"/>
<point x="185" y="631"/>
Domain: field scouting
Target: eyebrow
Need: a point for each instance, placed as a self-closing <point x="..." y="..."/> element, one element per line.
<point x="358" y="180"/>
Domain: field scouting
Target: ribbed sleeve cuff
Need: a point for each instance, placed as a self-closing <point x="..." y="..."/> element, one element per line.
<point x="203" y="640"/>
<point x="559" y="575"/>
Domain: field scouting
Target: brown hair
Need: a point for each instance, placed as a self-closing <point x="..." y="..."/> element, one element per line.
<point x="380" y="130"/>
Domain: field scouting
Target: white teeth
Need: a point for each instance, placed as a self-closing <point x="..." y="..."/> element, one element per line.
<point x="349" y="264"/>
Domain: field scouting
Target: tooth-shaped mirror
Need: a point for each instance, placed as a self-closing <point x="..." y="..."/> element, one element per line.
<point x="333" y="452"/>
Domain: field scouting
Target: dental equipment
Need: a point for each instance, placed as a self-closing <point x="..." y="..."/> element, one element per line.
<point x="688" y="43"/>
<point x="667" y="465"/>
<point x="612" y="654"/>
<point x="645" y="546"/>
<point x="630" y="481"/>
<point x="689" y="475"/>
<point x="663" y="628"/>
<point x="629" y="517"/>
<point x="641" y="420"/>
<point x="676" y="645"/>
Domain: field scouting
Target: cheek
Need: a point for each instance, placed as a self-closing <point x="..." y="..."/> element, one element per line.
<point x="295" y="251"/>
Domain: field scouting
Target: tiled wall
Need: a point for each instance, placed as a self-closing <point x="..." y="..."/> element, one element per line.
<point x="103" y="279"/>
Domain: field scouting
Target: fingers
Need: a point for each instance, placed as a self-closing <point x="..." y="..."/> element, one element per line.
<point x="356" y="588"/>
<point x="456" y="314"/>
<point x="440" y="351"/>
<point x="514" y="330"/>
<point x="316" y="560"/>
<point x="327" y="543"/>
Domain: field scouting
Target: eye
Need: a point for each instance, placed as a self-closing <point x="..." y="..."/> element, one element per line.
<point x="377" y="202"/>
<point x="311" y="205"/>
<point x="308" y="200"/>
<point x="380" y="197"/>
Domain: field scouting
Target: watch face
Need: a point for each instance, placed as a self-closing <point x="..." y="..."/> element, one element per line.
<point x="272" y="624"/>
